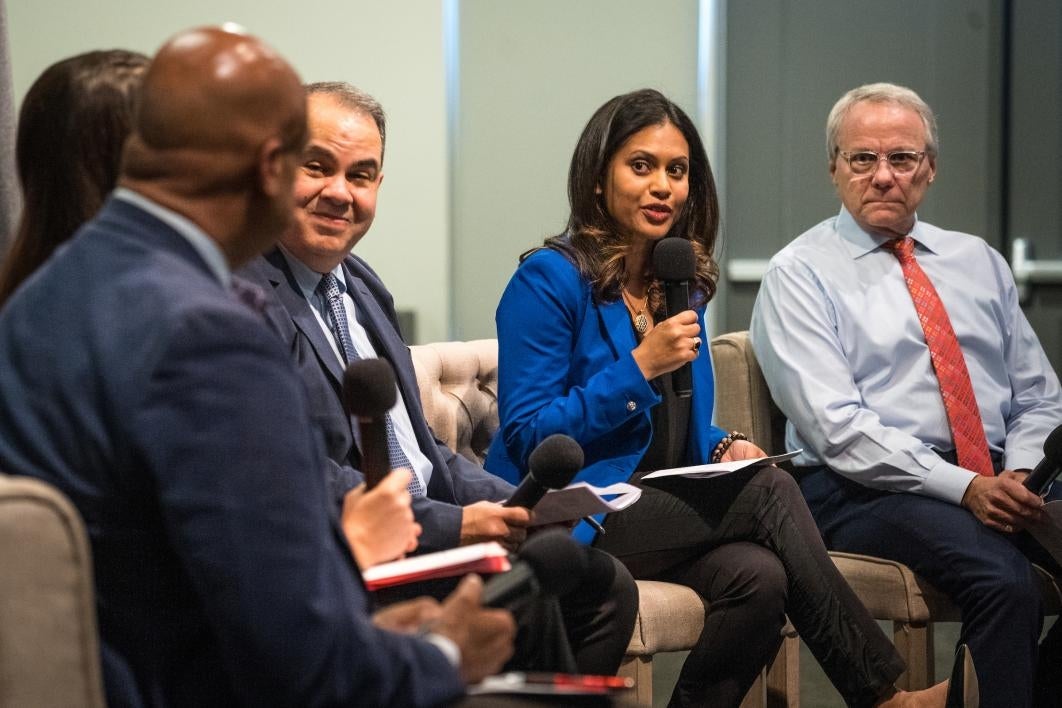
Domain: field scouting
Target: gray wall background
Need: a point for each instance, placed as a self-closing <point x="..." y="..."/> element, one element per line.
<point x="531" y="75"/>
<point x="393" y="50"/>
<point x="487" y="98"/>
<point x="790" y="61"/>
<point x="9" y="199"/>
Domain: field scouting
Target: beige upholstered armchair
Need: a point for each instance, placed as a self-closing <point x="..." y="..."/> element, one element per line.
<point x="890" y="590"/>
<point x="458" y="388"/>
<point x="49" y="650"/>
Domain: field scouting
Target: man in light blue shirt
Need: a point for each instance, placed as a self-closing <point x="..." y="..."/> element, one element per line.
<point x="843" y="350"/>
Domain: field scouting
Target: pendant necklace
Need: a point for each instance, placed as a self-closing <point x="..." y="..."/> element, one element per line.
<point x="641" y="322"/>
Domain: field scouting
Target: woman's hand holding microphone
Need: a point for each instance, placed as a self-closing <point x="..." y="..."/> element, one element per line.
<point x="669" y="345"/>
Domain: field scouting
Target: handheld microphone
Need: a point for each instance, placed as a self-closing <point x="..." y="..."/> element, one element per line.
<point x="551" y="465"/>
<point x="1041" y="478"/>
<point x="550" y="563"/>
<point x="675" y="264"/>
<point x="368" y="393"/>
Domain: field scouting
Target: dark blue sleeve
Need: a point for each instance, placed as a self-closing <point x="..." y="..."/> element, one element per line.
<point x="222" y="426"/>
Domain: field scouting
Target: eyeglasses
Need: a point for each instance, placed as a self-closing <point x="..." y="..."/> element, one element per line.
<point x="901" y="162"/>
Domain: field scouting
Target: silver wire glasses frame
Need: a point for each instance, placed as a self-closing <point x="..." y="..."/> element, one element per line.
<point x="900" y="162"/>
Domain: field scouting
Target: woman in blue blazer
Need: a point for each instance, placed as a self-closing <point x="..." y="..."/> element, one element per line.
<point x="585" y="350"/>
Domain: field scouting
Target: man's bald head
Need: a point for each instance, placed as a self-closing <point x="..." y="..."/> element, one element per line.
<point x="213" y="93"/>
<point x="218" y="109"/>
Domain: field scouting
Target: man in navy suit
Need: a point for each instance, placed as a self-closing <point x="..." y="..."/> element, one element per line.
<point x="456" y="501"/>
<point x="133" y="379"/>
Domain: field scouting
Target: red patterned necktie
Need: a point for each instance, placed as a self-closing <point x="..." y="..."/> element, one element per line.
<point x="967" y="430"/>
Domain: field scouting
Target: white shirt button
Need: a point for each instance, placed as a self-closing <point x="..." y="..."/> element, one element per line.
<point x="632" y="406"/>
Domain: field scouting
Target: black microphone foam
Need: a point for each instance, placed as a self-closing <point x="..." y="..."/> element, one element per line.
<point x="1045" y="473"/>
<point x="369" y="388"/>
<point x="555" y="461"/>
<point x="368" y="393"/>
<point x="550" y="563"/>
<point x="551" y="465"/>
<point x="675" y="264"/>
<point x="673" y="259"/>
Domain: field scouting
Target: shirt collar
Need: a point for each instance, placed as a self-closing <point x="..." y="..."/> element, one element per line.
<point x="204" y="245"/>
<point x="307" y="278"/>
<point x="860" y="242"/>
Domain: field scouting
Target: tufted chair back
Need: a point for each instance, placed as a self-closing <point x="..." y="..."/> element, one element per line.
<point x="459" y="391"/>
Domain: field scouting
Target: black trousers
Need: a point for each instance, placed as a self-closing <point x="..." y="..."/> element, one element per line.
<point x="748" y="545"/>
<point x="987" y="574"/>
<point x="585" y="631"/>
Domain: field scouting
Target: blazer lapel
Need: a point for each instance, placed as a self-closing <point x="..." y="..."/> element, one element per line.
<point x="616" y="327"/>
<point x="302" y="315"/>
<point x="391" y="347"/>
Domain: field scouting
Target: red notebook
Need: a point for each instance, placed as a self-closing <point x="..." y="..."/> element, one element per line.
<point x="480" y="558"/>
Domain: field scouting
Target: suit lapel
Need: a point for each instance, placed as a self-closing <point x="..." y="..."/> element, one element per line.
<point x="616" y="327"/>
<point x="391" y="347"/>
<point x="302" y="316"/>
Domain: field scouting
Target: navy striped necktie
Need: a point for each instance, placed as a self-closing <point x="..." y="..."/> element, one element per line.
<point x="328" y="288"/>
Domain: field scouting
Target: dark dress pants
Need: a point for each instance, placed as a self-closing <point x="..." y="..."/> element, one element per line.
<point x="585" y="631"/>
<point x="748" y="545"/>
<point x="987" y="574"/>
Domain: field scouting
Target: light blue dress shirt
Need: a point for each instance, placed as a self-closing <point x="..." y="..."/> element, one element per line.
<point x="308" y="280"/>
<point x="836" y="334"/>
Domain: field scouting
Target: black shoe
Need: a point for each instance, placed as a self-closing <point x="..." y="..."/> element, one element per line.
<point x="962" y="688"/>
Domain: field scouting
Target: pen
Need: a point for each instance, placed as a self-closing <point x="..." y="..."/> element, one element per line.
<point x="593" y="523"/>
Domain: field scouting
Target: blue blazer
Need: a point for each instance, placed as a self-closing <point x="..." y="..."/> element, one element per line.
<point x="132" y="380"/>
<point x="455" y="481"/>
<point x="565" y="366"/>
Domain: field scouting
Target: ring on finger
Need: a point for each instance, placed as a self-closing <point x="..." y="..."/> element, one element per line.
<point x="696" y="344"/>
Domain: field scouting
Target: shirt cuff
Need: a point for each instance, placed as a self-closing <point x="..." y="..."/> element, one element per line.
<point x="1022" y="459"/>
<point x="947" y="482"/>
<point x="447" y="646"/>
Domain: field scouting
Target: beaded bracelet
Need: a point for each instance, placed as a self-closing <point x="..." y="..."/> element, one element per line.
<point x="724" y="445"/>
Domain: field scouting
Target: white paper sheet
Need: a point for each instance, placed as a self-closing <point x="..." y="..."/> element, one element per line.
<point x="720" y="468"/>
<point x="581" y="499"/>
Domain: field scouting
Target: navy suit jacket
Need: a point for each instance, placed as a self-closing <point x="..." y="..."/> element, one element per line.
<point x="132" y="380"/>
<point x="455" y="481"/>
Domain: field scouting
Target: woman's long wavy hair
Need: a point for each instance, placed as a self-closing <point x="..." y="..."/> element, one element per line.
<point x="592" y="239"/>
<point x="71" y="128"/>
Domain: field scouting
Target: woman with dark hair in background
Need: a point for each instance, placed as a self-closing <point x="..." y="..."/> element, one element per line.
<point x="585" y="350"/>
<point x="71" y="128"/>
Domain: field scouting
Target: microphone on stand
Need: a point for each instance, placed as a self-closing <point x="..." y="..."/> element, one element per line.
<point x="368" y="394"/>
<point x="675" y="265"/>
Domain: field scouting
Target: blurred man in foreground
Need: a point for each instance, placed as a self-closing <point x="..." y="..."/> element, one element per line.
<point x="135" y="380"/>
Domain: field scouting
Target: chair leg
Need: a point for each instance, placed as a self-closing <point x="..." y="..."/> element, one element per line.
<point x="783" y="675"/>
<point x="778" y="685"/>
<point x="757" y="695"/>
<point x="915" y="644"/>
<point x="639" y="668"/>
